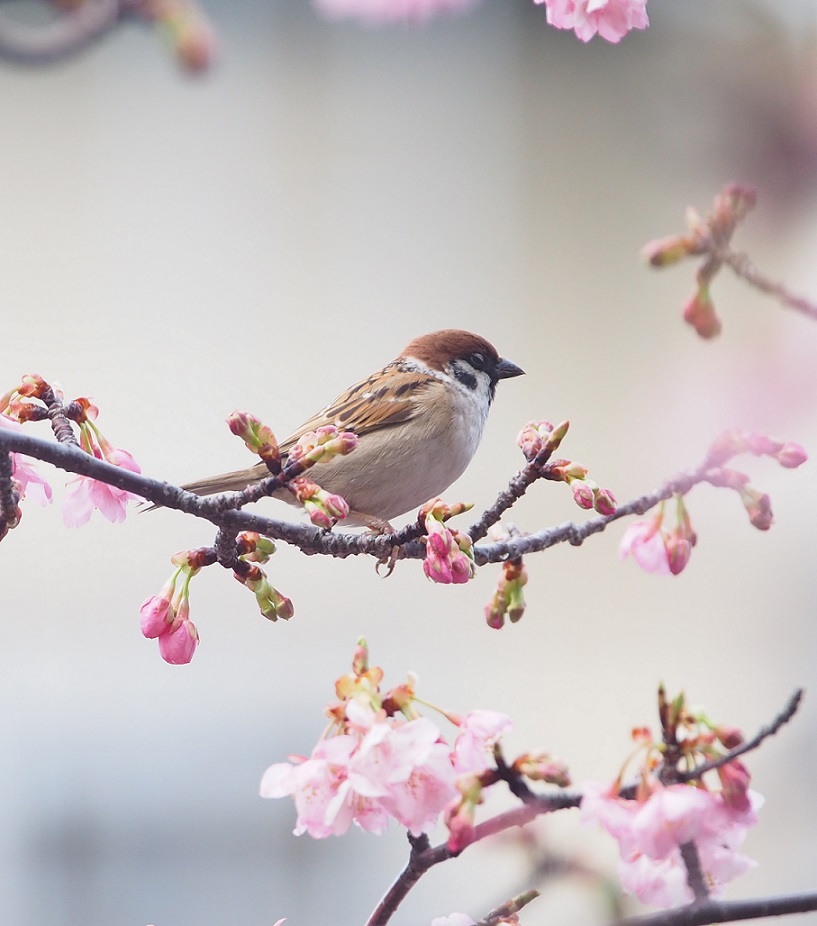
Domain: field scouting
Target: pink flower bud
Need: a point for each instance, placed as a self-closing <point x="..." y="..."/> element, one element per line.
<point x="729" y="736"/>
<point x="791" y="455"/>
<point x="665" y="251"/>
<point x="759" y="507"/>
<point x="582" y="494"/>
<point x="735" y="780"/>
<point x="605" y="502"/>
<point x="540" y="766"/>
<point x="532" y="437"/>
<point x="178" y="644"/>
<point x="679" y="549"/>
<point x="336" y="506"/>
<point x="495" y="614"/>
<point x="156" y="615"/>
<point x="700" y="313"/>
<point x="460" y="823"/>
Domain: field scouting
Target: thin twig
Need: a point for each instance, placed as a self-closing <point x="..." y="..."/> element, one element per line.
<point x="769" y="730"/>
<point x="420" y="862"/>
<point x="726" y="911"/>
<point x="746" y="270"/>
<point x="514" y="905"/>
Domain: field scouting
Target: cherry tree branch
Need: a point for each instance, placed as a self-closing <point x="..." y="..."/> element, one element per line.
<point x="708" y="911"/>
<point x="769" y="730"/>
<point x="746" y="270"/>
<point x="312" y="540"/>
<point x="424" y="857"/>
<point x="78" y="25"/>
<point x="68" y="33"/>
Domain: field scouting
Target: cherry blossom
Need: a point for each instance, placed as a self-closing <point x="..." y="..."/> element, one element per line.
<point x="650" y="834"/>
<point x="611" y="19"/>
<point x="380" y="760"/>
<point x="479" y="730"/>
<point x="645" y="541"/>
<point x="31" y="484"/>
<point x="85" y="494"/>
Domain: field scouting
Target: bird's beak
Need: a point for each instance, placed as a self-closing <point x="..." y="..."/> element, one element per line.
<point x="505" y="369"/>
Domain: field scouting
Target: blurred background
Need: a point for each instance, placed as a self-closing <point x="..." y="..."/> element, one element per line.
<point x="263" y="235"/>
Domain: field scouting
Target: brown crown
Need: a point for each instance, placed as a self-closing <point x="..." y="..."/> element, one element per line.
<point x="439" y="348"/>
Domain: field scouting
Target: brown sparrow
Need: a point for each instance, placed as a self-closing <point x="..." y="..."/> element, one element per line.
<point x="419" y="421"/>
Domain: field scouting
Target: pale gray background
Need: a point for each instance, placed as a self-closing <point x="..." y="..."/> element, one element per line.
<point x="260" y="238"/>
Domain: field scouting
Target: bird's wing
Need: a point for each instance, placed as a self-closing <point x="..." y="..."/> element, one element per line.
<point x="371" y="404"/>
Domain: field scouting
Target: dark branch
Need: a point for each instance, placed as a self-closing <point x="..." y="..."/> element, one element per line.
<point x="726" y="911"/>
<point x="695" y="875"/>
<point x="65" y="35"/>
<point x="9" y="497"/>
<point x="311" y="540"/>
<point x="420" y="862"/>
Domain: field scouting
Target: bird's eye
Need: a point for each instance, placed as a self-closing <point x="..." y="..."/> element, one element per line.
<point x="477" y="361"/>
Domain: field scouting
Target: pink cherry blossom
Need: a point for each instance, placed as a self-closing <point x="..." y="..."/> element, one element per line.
<point x="479" y="730"/>
<point x="408" y="768"/>
<point x="326" y="803"/>
<point x="611" y="19"/>
<point x="646" y="542"/>
<point x="650" y="835"/>
<point x="385" y="11"/>
<point x="670" y="817"/>
<point x="85" y="494"/>
<point x="32" y="485"/>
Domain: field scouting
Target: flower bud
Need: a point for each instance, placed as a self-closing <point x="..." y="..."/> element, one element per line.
<point x="604" y="502"/>
<point x="700" y="313"/>
<point x="540" y="766"/>
<point x="759" y="507"/>
<point x="178" y="645"/>
<point x="679" y="549"/>
<point x="791" y="455"/>
<point x="665" y="251"/>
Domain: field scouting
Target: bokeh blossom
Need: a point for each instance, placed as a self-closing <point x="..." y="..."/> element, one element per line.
<point x="373" y="12"/>
<point x="611" y="19"/>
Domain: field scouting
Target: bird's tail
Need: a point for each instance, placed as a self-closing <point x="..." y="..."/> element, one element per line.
<point x="226" y="482"/>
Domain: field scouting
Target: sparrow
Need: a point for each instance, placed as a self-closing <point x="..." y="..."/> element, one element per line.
<point x="419" y="421"/>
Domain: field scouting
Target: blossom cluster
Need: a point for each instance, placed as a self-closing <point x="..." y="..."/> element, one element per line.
<point x="166" y="617"/>
<point x="538" y="440"/>
<point x="667" y="817"/>
<point x="28" y="402"/>
<point x="28" y="482"/>
<point x="705" y="236"/>
<point x="380" y="759"/>
<point x="664" y="551"/>
<point x="611" y="19"/>
<point x="449" y="555"/>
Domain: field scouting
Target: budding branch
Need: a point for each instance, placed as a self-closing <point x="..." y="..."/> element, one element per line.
<point x="312" y="540"/>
